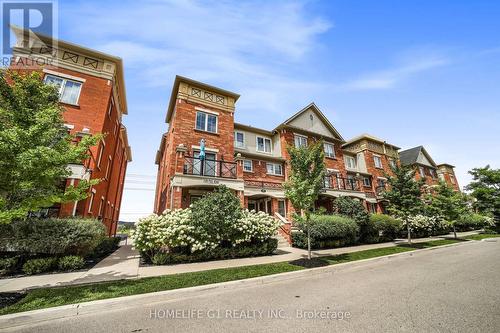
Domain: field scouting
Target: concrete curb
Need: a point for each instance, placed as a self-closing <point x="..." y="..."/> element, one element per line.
<point x="120" y="303"/>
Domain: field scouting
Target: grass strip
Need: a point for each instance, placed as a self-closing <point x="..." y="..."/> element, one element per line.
<point x="50" y="297"/>
<point x="481" y="236"/>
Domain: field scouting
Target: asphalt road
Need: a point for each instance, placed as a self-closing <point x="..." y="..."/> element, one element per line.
<point x="453" y="289"/>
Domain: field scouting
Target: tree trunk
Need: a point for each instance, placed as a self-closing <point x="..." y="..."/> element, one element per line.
<point x="308" y="235"/>
<point x="409" y="231"/>
<point x="454" y="231"/>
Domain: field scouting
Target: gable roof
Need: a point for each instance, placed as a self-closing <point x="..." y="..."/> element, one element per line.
<point x="369" y="137"/>
<point x="320" y="115"/>
<point x="410" y="156"/>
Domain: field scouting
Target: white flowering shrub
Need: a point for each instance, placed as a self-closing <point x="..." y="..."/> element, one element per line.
<point x="423" y="226"/>
<point x="254" y="227"/>
<point x="175" y="229"/>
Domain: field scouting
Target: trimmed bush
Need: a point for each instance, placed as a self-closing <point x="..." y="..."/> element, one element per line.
<point x="70" y="263"/>
<point x="388" y="227"/>
<point x="473" y="222"/>
<point x="106" y="246"/>
<point x="425" y="226"/>
<point x="355" y="210"/>
<point x="40" y="265"/>
<point x="326" y="231"/>
<point x="9" y="264"/>
<point x="53" y="236"/>
<point x="266" y="247"/>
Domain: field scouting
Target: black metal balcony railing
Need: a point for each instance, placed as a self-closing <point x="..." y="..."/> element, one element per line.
<point x="334" y="182"/>
<point x="380" y="189"/>
<point x="209" y="168"/>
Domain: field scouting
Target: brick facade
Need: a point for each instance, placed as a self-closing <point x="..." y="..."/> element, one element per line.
<point x="99" y="109"/>
<point x="257" y="189"/>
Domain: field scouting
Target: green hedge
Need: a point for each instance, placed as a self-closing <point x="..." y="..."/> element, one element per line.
<point x="388" y="227"/>
<point x="70" y="263"/>
<point x="327" y="231"/>
<point x="52" y="236"/>
<point x="40" y="265"/>
<point x="266" y="247"/>
<point x="472" y="222"/>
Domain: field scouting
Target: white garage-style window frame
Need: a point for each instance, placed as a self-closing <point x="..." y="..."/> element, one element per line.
<point x="350" y="162"/>
<point x="263" y="145"/>
<point x="69" y="87"/>
<point x="275" y="169"/>
<point x="207" y="122"/>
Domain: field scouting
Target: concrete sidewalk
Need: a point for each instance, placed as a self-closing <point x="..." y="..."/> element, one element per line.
<point x="124" y="264"/>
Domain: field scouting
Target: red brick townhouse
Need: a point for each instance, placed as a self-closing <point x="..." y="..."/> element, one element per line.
<point x="253" y="161"/>
<point x="426" y="168"/>
<point x="92" y="91"/>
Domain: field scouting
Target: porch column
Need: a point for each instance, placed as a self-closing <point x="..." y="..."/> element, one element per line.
<point x="176" y="198"/>
<point x="180" y="153"/>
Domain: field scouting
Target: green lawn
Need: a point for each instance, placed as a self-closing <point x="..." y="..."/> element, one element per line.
<point x="49" y="297"/>
<point x="481" y="236"/>
<point x="367" y="254"/>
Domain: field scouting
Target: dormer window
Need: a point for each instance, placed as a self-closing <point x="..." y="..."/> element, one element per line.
<point x="69" y="90"/>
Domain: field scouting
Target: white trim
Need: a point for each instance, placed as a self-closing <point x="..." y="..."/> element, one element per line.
<point x="62" y="75"/>
<point x="215" y="150"/>
<point x="197" y="108"/>
<point x="257" y="145"/>
<point x="295" y="136"/>
<point x="274" y="169"/>
<point x="206" y="122"/>
<point x="251" y="165"/>
<point x="383" y="178"/>
<point x="236" y="141"/>
<point x="69" y="126"/>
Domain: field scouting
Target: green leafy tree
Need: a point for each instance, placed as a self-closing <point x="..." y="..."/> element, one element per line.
<point x="485" y="188"/>
<point x="447" y="203"/>
<point x="404" y="195"/>
<point x="35" y="148"/>
<point x="305" y="181"/>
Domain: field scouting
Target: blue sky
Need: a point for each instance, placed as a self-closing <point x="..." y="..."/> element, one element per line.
<point x="411" y="72"/>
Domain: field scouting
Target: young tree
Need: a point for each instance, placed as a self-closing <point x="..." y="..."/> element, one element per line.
<point x="485" y="189"/>
<point x="305" y="181"/>
<point x="404" y="195"/>
<point x="447" y="203"/>
<point x="35" y="148"/>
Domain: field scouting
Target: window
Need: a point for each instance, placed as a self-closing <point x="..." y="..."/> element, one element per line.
<point x="392" y="163"/>
<point x="329" y="149"/>
<point x="274" y="169"/>
<point x="91" y="201"/>
<point x="373" y="207"/>
<point x="247" y="165"/>
<point x="69" y="91"/>
<point x="99" y="158"/>
<point x="378" y="161"/>
<point x="263" y="144"/>
<point x="300" y="141"/>
<point x="110" y="109"/>
<point x="380" y="182"/>
<point x="367" y="182"/>
<point x="350" y="162"/>
<point x="433" y="173"/>
<point x="108" y="167"/>
<point x="282" y="208"/>
<point x="239" y="139"/>
<point x="452" y="179"/>
<point x="206" y="122"/>
<point x="422" y="171"/>
<point x="101" y="205"/>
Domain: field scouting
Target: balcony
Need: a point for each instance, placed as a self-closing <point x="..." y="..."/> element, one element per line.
<point x="334" y="182"/>
<point x="209" y="168"/>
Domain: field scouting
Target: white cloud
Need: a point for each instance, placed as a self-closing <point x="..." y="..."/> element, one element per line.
<point x="389" y="78"/>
